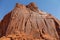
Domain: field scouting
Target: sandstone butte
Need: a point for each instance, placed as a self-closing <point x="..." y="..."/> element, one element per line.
<point x="27" y="22"/>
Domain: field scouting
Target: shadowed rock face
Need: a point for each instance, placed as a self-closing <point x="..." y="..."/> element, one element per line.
<point x="4" y="24"/>
<point x="29" y="23"/>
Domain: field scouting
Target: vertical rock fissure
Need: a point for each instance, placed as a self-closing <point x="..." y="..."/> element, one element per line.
<point x="46" y="25"/>
<point x="57" y="28"/>
<point x="27" y="20"/>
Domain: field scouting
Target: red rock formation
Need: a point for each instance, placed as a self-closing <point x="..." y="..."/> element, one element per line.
<point x="4" y="24"/>
<point x="29" y="23"/>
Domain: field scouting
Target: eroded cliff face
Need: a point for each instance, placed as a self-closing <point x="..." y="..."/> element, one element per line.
<point x="4" y="24"/>
<point x="26" y="22"/>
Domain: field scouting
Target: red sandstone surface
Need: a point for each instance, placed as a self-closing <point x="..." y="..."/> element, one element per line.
<point x="26" y="22"/>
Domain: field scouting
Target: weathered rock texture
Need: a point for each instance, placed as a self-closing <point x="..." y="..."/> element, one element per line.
<point x="29" y="23"/>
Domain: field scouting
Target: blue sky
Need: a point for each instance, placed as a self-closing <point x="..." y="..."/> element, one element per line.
<point x="50" y="6"/>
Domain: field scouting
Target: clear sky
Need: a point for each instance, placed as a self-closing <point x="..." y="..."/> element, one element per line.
<point x="50" y="6"/>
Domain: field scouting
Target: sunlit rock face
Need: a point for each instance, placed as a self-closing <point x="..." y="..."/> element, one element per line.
<point x="27" y="22"/>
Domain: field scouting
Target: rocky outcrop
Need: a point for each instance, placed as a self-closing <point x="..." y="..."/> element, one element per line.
<point x="4" y="24"/>
<point x="29" y="23"/>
